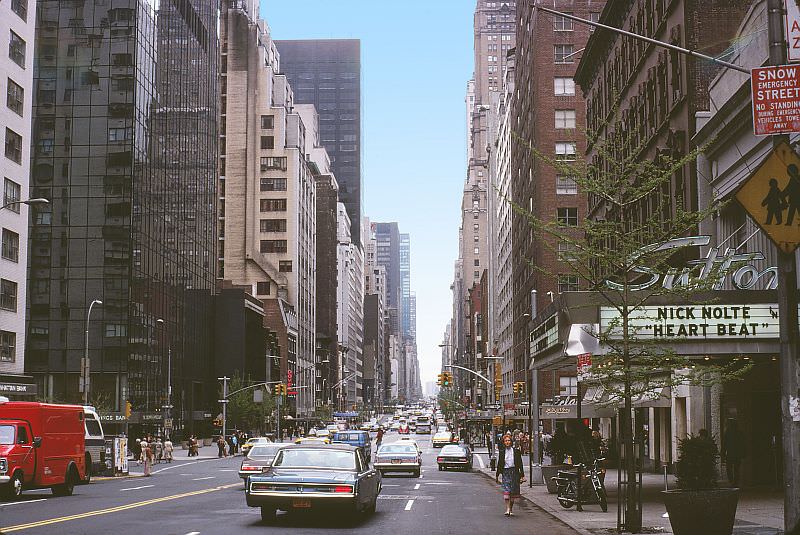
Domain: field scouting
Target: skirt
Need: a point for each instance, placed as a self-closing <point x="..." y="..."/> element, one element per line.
<point x="510" y="479"/>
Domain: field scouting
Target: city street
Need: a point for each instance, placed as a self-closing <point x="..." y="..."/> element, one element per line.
<point x="206" y="497"/>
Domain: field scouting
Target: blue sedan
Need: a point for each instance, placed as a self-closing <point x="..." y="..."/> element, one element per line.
<point x="315" y="477"/>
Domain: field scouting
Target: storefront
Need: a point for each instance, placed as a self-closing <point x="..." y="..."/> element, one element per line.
<point x="18" y="387"/>
<point x="718" y="328"/>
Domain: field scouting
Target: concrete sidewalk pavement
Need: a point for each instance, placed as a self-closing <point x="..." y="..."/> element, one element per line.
<point x="760" y="511"/>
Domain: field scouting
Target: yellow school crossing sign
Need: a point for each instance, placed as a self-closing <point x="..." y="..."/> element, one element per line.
<point x="772" y="197"/>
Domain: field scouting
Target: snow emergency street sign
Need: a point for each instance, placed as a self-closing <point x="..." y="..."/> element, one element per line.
<point x="776" y="99"/>
<point x="792" y="16"/>
<point x="772" y="197"/>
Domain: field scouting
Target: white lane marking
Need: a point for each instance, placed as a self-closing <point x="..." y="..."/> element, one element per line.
<point x="437" y="483"/>
<point x="390" y="485"/>
<point x="203" y="478"/>
<point x="416" y="487"/>
<point x="409" y="505"/>
<point x="225" y="470"/>
<point x="193" y="533"/>
<point x="20" y="503"/>
<point x="137" y="488"/>
<point x="480" y="462"/>
<point x="184" y="465"/>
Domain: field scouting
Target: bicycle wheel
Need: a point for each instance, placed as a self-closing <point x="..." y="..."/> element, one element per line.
<point x="563" y="501"/>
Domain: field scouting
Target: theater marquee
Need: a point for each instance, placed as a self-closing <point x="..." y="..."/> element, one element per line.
<point x="691" y="322"/>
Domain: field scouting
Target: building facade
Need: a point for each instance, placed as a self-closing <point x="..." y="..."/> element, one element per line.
<point x="18" y="24"/>
<point x="327" y="74"/>
<point x="125" y="146"/>
<point x="350" y="316"/>
<point x="267" y="191"/>
<point x="327" y="276"/>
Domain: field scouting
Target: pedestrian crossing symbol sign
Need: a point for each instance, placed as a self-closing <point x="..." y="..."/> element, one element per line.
<point x="772" y="197"/>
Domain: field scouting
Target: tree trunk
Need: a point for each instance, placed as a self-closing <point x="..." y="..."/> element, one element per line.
<point x="632" y="515"/>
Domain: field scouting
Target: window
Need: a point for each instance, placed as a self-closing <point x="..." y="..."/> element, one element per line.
<point x="273" y="163"/>
<point x="565" y="152"/>
<point x="11" y="193"/>
<point x="567" y="216"/>
<point x="15" y="97"/>
<point x="267" y="122"/>
<point x="565" y="118"/>
<point x="272" y="225"/>
<point x="285" y="266"/>
<point x="594" y="16"/>
<point x="566" y="252"/>
<point x="267" y="142"/>
<point x="476" y="239"/>
<point x="477" y="250"/>
<point x="10" y="245"/>
<point x="8" y="346"/>
<point x="20" y="7"/>
<point x="13" y="146"/>
<point x="119" y="134"/>
<point x="566" y="185"/>
<point x="477" y="262"/>
<point x="567" y="283"/>
<point x="569" y="386"/>
<point x="8" y="295"/>
<point x="562" y="24"/>
<point x="122" y="84"/>
<point x="16" y="49"/>
<point x="273" y="184"/>
<point x="121" y="60"/>
<point x="273" y="246"/>
<point x="116" y="330"/>
<point x="262" y="288"/>
<point x="563" y="53"/>
<point x="476" y="274"/>
<point x="476" y="227"/>
<point x="563" y="86"/>
<point x="273" y="205"/>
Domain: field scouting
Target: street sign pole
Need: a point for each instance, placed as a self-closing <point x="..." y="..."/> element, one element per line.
<point x="787" y="309"/>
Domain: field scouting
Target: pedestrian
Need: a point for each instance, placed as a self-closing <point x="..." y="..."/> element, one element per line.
<point x="510" y="467"/>
<point x="147" y="453"/>
<point x="142" y="446"/>
<point x="159" y="450"/>
<point x="221" y="447"/>
<point x="234" y="444"/>
<point x="732" y="452"/>
<point x="168" y="449"/>
<point x="379" y="438"/>
<point x="194" y="447"/>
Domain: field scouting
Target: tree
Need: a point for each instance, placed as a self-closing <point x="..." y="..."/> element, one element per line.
<point x="629" y="252"/>
<point x="242" y="411"/>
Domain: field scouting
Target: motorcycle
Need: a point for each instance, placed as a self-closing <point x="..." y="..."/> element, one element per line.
<point x="593" y="491"/>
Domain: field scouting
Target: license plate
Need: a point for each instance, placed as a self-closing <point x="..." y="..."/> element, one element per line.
<point x="396" y="461"/>
<point x="301" y="504"/>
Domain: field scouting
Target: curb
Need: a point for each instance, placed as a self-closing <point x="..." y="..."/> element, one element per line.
<point x="578" y="529"/>
<point x="115" y="478"/>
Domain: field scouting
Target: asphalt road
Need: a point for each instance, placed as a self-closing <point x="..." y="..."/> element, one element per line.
<point x="207" y="497"/>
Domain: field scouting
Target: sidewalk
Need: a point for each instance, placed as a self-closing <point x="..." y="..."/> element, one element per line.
<point x="760" y="512"/>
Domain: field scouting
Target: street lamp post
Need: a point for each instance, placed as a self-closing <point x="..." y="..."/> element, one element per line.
<point x="85" y="365"/>
<point x="168" y="415"/>
<point x="29" y="202"/>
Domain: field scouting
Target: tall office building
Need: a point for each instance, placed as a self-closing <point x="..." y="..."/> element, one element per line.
<point x="125" y="146"/>
<point x="17" y="25"/>
<point x="327" y="73"/>
<point x="405" y="285"/>
<point x="387" y="237"/>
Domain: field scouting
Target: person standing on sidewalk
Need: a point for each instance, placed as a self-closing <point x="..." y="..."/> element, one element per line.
<point x="147" y="455"/>
<point x="510" y="467"/>
<point x="168" y="449"/>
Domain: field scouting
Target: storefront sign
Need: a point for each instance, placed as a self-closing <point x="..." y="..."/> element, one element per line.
<point x="584" y="365"/>
<point x="15" y="388"/>
<point x="776" y="99"/>
<point x="555" y="411"/>
<point x="112" y="418"/>
<point x="757" y="321"/>
<point x="152" y="417"/>
<point x="716" y="264"/>
<point x="290" y="389"/>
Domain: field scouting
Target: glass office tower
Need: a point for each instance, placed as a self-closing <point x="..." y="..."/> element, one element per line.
<point x="125" y="134"/>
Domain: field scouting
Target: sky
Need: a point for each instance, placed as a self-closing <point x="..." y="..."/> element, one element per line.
<point x="416" y="59"/>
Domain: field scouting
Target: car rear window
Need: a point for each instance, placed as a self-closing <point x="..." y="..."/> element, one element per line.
<point x="316" y="458"/>
<point x="264" y="451"/>
<point x="453" y="450"/>
<point x="398" y="448"/>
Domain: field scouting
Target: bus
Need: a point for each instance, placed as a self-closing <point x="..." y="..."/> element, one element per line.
<point x="95" y="443"/>
<point x="423" y="425"/>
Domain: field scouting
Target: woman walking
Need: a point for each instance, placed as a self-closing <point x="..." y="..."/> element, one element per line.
<point x="147" y="454"/>
<point x="510" y="467"/>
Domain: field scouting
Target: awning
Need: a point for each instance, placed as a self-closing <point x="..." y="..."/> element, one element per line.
<point x="567" y="408"/>
<point x="654" y="397"/>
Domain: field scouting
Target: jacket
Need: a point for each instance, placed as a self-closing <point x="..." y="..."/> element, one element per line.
<point x="501" y="461"/>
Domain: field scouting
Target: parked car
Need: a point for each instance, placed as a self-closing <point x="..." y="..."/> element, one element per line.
<point x="442" y="438"/>
<point x="455" y="456"/>
<point x="259" y="458"/>
<point x="359" y="439"/>
<point x="41" y="445"/>
<point x="313" y="477"/>
<point x="399" y="457"/>
<point x="312" y="440"/>
<point x="250" y="442"/>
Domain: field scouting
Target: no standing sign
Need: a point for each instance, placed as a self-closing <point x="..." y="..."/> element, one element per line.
<point x="776" y="99"/>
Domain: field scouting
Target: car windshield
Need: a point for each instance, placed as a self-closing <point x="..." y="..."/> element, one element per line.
<point x="316" y="458"/>
<point x="398" y="448"/>
<point x="453" y="450"/>
<point x="442" y="435"/>
<point x="355" y="437"/>
<point x="264" y="451"/>
<point x="6" y="434"/>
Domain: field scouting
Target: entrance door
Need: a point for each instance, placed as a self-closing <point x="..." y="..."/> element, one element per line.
<point x="763" y="454"/>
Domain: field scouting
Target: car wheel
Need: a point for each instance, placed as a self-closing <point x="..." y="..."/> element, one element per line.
<point x="373" y="505"/>
<point x="441" y="468"/>
<point x="68" y="487"/>
<point x="267" y="514"/>
<point x="88" y="477"/>
<point x="13" y="489"/>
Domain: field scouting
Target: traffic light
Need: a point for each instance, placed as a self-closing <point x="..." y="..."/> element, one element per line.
<point x="440" y="380"/>
<point x="519" y="387"/>
<point x="447" y="379"/>
<point x="279" y="389"/>
<point x="127" y="409"/>
<point x="284" y="389"/>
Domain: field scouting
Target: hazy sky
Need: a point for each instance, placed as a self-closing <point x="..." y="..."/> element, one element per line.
<point x="416" y="59"/>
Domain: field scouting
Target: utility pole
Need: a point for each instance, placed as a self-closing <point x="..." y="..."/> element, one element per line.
<point x="787" y="311"/>
<point x="224" y="402"/>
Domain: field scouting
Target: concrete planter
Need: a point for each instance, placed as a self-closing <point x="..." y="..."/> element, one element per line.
<point x="550" y="471"/>
<point x="185" y="444"/>
<point x="701" y="512"/>
<point x="207" y="441"/>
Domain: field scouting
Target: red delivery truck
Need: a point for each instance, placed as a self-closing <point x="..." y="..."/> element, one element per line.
<point x="41" y="445"/>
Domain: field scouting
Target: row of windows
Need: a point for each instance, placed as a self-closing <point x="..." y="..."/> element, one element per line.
<point x="328" y="75"/>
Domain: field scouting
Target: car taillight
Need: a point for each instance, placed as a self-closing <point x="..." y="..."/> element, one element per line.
<point x="462" y="459"/>
<point x="250" y="468"/>
<point x="343" y="489"/>
<point x="439" y="459"/>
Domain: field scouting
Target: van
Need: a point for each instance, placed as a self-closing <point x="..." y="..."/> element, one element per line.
<point x="41" y="445"/>
<point x="95" y="443"/>
<point x="359" y="439"/>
